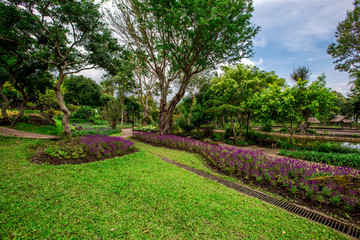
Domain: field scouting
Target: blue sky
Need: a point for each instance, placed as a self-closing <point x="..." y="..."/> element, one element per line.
<point x="298" y="33"/>
<point x="293" y="33"/>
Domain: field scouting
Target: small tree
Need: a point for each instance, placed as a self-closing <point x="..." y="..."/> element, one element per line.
<point x="113" y="110"/>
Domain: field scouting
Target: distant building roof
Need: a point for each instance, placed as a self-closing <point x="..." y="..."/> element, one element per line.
<point x="339" y="119"/>
<point x="313" y="120"/>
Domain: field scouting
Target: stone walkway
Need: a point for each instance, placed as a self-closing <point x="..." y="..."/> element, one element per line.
<point x="16" y="133"/>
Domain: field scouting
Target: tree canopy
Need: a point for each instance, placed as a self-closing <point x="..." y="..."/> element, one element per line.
<point x="69" y="36"/>
<point x="178" y="39"/>
<point x="81" y="90"/>
<point x="346" y="50"/>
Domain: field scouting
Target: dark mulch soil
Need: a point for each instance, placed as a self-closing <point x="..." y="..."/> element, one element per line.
<point x="41" y="158"/>
<point x="299" y="199"/>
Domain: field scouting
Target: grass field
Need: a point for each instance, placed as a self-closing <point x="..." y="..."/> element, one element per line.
<point x="137" y="196"/>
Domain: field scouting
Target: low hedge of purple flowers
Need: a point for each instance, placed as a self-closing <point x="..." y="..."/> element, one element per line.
<point x="295" y="176"/>
<point x="105" y="146"/>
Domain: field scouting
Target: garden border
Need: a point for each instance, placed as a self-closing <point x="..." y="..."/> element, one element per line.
<point x="335" y="224"/>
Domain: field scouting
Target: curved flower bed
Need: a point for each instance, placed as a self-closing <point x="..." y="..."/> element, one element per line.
<point x="105" y="146"/>
<point x="296" y="176"/>
<point x="78" y="150"/>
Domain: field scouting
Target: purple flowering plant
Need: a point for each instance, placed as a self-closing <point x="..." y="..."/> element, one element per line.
<point x="294" y="175"/>
<point x="105" y="146"/>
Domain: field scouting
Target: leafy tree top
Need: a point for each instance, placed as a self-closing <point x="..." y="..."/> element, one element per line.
<point x="346" y="50"/>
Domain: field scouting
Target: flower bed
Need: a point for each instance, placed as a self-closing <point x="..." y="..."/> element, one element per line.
<point x="89" y="148"/>
<point x="316" y="181"/>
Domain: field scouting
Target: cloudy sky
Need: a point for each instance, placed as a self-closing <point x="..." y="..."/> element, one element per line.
<point x="294" y="33"/>
<point x="297" y="33"/>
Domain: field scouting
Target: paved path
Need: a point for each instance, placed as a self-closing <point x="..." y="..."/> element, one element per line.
<point x="16" y="133"/>
<point x="126" y="132"/>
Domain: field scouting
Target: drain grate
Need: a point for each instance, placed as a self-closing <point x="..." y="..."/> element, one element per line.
<point x="303" y="212"/>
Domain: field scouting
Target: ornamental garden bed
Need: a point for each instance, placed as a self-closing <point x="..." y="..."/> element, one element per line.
<point x="331" y="189"/>
<point x="84" y="149"/>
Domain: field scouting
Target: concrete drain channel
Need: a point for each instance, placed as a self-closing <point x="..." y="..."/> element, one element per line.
<point x="300" y="211"/>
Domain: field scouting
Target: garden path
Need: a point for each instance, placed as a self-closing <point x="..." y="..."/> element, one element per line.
<point x="16" y="133"/>
<point x="271" y="152"/>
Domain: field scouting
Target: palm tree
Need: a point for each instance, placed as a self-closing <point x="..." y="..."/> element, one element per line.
<point x="300" y="72"/>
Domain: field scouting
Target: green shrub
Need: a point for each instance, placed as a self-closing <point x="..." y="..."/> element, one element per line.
<point x="112" y="112"/>
<point x="84" y="113"/>
<point x="266" y="127"/>
<point x="283" y="130"/>
<point x="184" y="125"/>
<point x="148" y="128"/>
<point x="337" y="159"/>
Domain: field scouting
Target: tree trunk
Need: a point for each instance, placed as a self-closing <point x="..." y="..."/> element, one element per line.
<point x="4" y="106"/>
<point x="145" y="120"/>
<point x="22" y="108"/>
<point x="122" y="109"/>
<point x="165" y="122"/>
<point x="23" y="104"/>
<point x="303" y="128"/>
<point x="166" y="110"/>
<point x="63" y="108"/>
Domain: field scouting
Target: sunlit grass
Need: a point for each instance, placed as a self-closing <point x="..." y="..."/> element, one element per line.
<point x="137" y="196"/>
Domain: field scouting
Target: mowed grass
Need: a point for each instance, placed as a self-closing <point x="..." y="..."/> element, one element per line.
<point x="137" y="196"/>
<point x="43" y="129"/>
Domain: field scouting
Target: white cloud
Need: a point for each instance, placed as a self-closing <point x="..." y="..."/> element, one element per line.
<point x="247" y="61"/>
<point x="297" y="25"/>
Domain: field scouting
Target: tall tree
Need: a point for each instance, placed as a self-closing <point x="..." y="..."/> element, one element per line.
<point x="70" y="37"/>
<point x="81" y="90"/>
<point x="23" y="72"/>
<point x="145" y="84"/>
<point x="178" y="39"/>
<point x="346" y="50"/>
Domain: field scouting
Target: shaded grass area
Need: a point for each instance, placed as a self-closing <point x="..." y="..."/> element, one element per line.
<point x="137" y="196"/>
<point x="43" y="129"/>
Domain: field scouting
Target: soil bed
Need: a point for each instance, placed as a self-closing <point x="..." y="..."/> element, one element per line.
<point x="300" y="199"/>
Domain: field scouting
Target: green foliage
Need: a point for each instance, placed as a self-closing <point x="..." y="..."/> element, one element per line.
<point x="266" y="126"/>
<point x="81" y="90"/>
<point x="346" y="49"/>
<point x="183" y="123"/>
<point x="112" y="112"/>
<point x="147" y="128"/>
<point x="134" y="183"/>
<point x="337" y="159"/>
<point x="84" y="113"/>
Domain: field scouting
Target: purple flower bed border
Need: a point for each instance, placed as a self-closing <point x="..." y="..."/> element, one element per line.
<point x="292" y="174"/>
<point x="102" y="145"/>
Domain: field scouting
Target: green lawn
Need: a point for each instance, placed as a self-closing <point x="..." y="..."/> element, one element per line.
<point x="43" y="129"/>
<point x="137" y="196"/>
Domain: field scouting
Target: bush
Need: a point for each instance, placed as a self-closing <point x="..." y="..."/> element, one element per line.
<point x="184" y="125"/>
<point x="283" y="130"/>
<point x="84" y="113"/>
<point x="266" y="127"/>
<point x="112" y="112"/>
<point x="337" y="159"/>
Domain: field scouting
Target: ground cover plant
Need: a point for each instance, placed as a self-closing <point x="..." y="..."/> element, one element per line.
<point x="313" y="181"/>
<point x="337" y="159"/>
<point x="83" y="149"/>
<point x="136" y="196"/>
<point x="91" y="129"/>
<point x="43" y="129"/>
